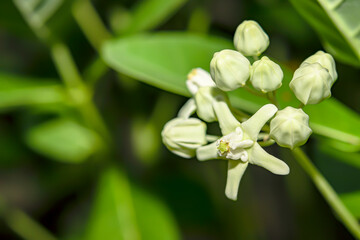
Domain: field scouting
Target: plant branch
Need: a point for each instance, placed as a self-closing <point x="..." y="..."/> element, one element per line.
<point x="328" y="192"/>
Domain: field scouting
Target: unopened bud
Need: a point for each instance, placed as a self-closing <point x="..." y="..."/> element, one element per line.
<point x="183" y="136"/>
<point x="198" y="78"/>
<point x="325" y="60"/>
<point x="311" y="83"/>
<point x="290" y="127"/>
<point x="229" y="69"/>
<point x="266" y="76"/>
<point x="250" y="39"/>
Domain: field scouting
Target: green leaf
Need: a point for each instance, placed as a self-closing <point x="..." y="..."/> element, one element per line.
<point x="150" y="13"/>
<point x="18" y="91"/>
<point x="337" y="22"/>
<point x="63" y="140"/>
<point x="352" y="202"/>
<point x="123" y="211"/>
<point x="164" y="60"/>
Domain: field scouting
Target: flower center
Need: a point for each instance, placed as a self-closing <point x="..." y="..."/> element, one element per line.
<point x="232" y="146"/>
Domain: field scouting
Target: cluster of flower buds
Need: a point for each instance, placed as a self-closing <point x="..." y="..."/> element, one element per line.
<point x="240" y="143"/>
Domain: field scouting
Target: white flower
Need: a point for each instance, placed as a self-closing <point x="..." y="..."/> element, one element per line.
<point x="239" y="146"/>
<point x="311" y="83"/>
<point x="250" y="39"/>
<point x="183" y="136"/>
<point x="198" y="78"/>
<point x="266" y="75"/>
<point x="290" y="127"/>
<point x="229" y="69"/>
<point x="325" y="60"/>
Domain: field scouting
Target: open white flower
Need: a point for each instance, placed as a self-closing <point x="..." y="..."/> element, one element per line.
<point x="198" y="78"/>
<point x="239" y="145"/>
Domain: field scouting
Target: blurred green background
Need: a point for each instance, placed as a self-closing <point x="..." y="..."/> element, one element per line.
<point x="81" y="155"/>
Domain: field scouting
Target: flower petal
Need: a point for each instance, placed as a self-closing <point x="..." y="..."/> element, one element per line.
<point x="236" y="170"/>
<point x="187" y="109"/>
<point x="227" y="121"/>
<point x="207" y="152"/>
<point x="253" y="125"/>
<point x="258" y="156"/>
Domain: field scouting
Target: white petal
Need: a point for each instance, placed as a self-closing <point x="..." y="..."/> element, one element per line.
<point x="236" y="170"/>
<point x="207" y="152"/>
<point x="227" y="121"/>
<point x="187" y="109"/>
<point x="258" y="156"/>
<point x="253" y="125"/>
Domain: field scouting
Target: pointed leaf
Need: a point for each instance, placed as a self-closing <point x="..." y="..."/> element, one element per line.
<point x="123" y="211"/>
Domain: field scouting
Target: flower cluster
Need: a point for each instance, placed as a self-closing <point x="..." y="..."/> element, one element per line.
<point x="240" y="143"/>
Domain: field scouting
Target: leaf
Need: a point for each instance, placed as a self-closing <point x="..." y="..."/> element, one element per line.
<point x="64" y="140"/>
<point x="150" y="13"/>
<point x="352" y="202"/>
<point x="163" y="60"/>
<point x="123" y="211"/>
<point x="18" y="91"/>
<point x="338" y="25"/>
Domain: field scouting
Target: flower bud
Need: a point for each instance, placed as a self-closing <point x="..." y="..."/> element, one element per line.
<point x="198" y="78"/>
<point x="290" y="127"/>
<point x="250" y="39"/>
<point x="204" y="102"/>
<point x="265" y="75"/>
<point x="325" y="60"/>
<point x="229" y="69"/>
<point x="311" y="83"/>
<point x="184" y="136"/>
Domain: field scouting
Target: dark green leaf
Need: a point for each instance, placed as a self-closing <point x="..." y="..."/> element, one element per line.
<point x="337" y="24"/>
<point x="63" y="140"/>
<point x="122" y="211"/>
<point x="163" y="60"/>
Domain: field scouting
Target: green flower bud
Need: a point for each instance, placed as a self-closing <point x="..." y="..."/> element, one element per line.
<point x="326" y="61"/>
<point x="198" y="78"/>
<point x="265" y="75"/>
<point x="290" y="127"/>
<point x="183" y="136"/>
<point x="311" y="83"/>
<point x="250" y="39"/>
<point x="229" y="69"/>
<point x="204" y="102"/>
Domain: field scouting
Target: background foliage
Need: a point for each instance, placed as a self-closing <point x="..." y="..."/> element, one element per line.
<point x="80" y="148"/>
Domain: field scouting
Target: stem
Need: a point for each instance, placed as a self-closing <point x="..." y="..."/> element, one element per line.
<point x="252" y="91"/>
<point x="328" y="192"/>
<point x="81" y="95"/>
<point x="90" y="22"/>
<point x="22" y="224"/>
<point x="301" y="105"/>
<point x="272" y="98"/>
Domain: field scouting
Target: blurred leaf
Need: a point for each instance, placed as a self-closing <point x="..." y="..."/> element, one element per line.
<point x="352" y="202"/>
<point x="337" y="24"/>
<point x="122" y="211"/>
<point x="164" y="60"/>
<point x="150" y="13"/>
<point x="18" y="91"/>
<point x="63" y="140"/>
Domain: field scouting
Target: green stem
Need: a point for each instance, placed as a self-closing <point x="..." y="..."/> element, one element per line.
<point x="328" y="192"/>
<point x="22" y="224"/>
<point x="301" y="105"/>
<point x="254" y="92"/>
<point x="272" y="98"/>
<point x="79" y="92"/>
<point x="90" y="22"/>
